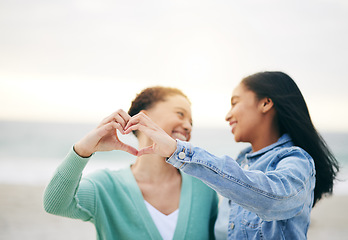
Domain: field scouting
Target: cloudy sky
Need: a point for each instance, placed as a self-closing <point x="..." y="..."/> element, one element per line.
<point x="80" y="60"/>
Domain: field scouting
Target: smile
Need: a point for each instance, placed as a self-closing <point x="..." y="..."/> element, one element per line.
<point x="233" y="125"/>
<point x="180" y="136"/>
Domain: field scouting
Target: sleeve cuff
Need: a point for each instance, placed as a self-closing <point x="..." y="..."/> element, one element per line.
<point x="182" y="155"/>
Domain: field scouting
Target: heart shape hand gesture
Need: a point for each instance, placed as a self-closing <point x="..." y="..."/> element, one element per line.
<point x="163" y="144"/>
<point x="104" y="137"/>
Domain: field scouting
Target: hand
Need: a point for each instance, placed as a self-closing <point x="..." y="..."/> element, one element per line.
<point x="163" y="144"/>
<point x="104" y="137"/>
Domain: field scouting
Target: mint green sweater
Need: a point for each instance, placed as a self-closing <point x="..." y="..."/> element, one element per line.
<point x="113" y="202"/>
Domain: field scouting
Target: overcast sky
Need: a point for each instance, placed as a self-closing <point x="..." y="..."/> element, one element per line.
<point x="80" y="60"/>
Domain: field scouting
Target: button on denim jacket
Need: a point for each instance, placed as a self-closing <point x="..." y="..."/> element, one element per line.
<point x="269" y="193"/>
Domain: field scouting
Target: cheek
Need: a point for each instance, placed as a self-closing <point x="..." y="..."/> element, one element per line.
<point x="252" y="123"/>
<point x="246" y="117"/>
<point x="168" y="124"/>
<point x="238" y="112"/>
<point x="162" y="123"/>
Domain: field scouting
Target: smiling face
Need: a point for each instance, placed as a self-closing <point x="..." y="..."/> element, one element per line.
<point x="245" y="116"/>
<point x="174" y="116"/>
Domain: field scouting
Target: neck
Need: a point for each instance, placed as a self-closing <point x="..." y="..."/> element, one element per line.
<point x="264" y="141"/>
<point x="268" y="135"/>
<point x="152" y="168"/>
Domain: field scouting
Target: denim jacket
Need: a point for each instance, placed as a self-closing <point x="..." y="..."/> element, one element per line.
<point x="268" y="194"/>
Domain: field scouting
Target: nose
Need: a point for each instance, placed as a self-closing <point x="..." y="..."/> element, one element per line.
<point x="187" y="126"/>
<point x="229" y="115"/>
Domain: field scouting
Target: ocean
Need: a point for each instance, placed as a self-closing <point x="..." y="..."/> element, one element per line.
<point x="31" y="151"/>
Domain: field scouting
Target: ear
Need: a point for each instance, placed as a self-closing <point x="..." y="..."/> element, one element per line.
<point x="266" y="105"/>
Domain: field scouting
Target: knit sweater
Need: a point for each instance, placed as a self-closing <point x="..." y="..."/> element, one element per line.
<point x="113" y="202"/>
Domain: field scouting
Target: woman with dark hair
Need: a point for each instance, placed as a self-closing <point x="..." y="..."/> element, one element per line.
<point x="148" y="200"/>
<point x="270" y="189"/>
<point x="294" y="119"/>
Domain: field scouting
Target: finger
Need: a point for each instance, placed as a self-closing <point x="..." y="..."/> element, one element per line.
<point x="124" y="115"/>
<point x="146" y="150"/>
<point x="137" y="126"/>
<point x="107" y="119"/>
<point x="129" y="149"/>
<point x="136" y="119"/>
<point x="131" y="128"/>
<point x="120" y="114"/>
<point x="111" y="126"/>
<point x="119" y="119"/>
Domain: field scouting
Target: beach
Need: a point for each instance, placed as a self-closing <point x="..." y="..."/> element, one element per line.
<point x="27" y="164"/>
<point x="23" y="217"/>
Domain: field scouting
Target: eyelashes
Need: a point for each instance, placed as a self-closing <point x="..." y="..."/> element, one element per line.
<point x="181" y="114"/>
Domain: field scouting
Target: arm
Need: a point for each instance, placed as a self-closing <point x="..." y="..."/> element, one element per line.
<point x="65" y="193"/>
<point x="60" y="197"/>
<point x="279" y="194"/>
<point x="273" y="195"/>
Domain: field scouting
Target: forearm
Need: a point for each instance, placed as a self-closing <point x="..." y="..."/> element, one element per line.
<point x="270" y="196"/>
<point x="60" y="194"/>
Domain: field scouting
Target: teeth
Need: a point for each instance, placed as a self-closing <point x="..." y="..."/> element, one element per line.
<point x="179" y="136"/>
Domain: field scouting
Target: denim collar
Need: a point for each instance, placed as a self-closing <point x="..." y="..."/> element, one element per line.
<point x="285" y="138"/>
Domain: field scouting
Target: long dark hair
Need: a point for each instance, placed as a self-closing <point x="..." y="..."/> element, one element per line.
<point x="293" y="118"/>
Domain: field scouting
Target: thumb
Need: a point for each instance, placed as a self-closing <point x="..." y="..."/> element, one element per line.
<point x="146" y="150"/>
<point x="128" y="148"/>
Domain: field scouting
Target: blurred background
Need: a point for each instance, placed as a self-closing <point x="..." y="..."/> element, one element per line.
<point x="65" y="65"/>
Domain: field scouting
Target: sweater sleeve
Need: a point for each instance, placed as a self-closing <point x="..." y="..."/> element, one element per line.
<point x="65" y="195"/>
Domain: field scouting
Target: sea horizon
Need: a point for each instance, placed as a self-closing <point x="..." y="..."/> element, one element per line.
<point x="31" y="151"/>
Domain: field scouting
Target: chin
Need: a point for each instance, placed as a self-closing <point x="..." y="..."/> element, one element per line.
<point x="237" y="138"/>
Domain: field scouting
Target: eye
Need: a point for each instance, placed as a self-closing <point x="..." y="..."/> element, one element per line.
<point x="181" y="114"/>
<point x="234" y="101"/>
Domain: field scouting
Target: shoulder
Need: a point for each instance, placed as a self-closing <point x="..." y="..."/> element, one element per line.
<point x="293" y="156"/>
<point x="293" y="153"/>
<point x="285" y="148"/>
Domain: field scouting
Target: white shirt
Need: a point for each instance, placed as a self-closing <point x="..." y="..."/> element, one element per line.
<point x="165" y="223"/>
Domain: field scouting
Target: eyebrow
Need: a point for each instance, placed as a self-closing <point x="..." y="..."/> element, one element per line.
<point x="181" y="108"/>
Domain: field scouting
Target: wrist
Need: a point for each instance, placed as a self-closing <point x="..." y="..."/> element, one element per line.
<point x="171" y="148"/>
<point x="81" y="152"/>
